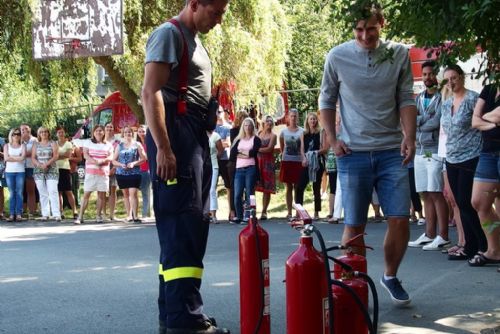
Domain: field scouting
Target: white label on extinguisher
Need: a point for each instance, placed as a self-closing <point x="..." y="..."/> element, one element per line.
<point x="265" y="271"/>
<point x="267" y="301"/>
<point x="267" y="295"/>
<point x="326" y="316"/>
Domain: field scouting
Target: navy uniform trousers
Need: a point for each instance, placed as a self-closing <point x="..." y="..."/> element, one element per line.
<point x="181" y="209"/>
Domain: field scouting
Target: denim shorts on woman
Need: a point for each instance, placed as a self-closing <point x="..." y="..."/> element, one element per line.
<point x="488" y="168"/>
<point x="360" y="172"/>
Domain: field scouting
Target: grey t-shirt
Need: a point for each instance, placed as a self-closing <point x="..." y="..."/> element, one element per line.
<point x="291" y="151"/>
<point x="370" y="93"/>
<point x="165" y="45"/>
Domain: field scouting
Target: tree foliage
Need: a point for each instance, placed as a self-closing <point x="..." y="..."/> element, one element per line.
<point x="249" y="50"/>
<point x="260" y="44"/>
<point x="312" y="37"/>
<point x="452" y="30"/>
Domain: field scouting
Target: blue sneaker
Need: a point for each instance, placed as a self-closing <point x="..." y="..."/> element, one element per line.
<point x="398" y="295"/>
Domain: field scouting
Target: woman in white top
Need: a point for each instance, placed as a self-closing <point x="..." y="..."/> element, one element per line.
<point x="44" y="154"/>
<point x="14" y="154"/>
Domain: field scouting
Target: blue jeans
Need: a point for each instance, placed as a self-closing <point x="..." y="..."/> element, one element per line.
<point x="15" y="182"/>
<point x="146" y="191"/>
<point x="360" y="172"/>
<point x="244" y="178"/>
<point x="488" y="168"/>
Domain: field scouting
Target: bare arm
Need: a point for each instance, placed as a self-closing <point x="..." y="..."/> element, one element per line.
<point x="324" y="143"/>
<point x="219" y="146"/>
<point x="87" y="156"/>
<point x="114" y="160"/>
<point x="155" y="76"/>
<point x="302" y="153"/>
<point x="33" y="156"/>
<point x="12" y="158"/>
<point x="478" y="121"/>
<point x="328" y="117"/>
<point x="282" y="143"/>
<point x="55" y="154"/>
<point x="142" y="157"/>
<point x="77" y="156"/>
<point x="408" y="115"/>
<point x="269" y="148"/>
<point x="493" y="116"/>
<point x="64" y="155"/>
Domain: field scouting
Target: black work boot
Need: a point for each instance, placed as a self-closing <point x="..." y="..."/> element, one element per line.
<point x="206" y="327"/>
<point x="162" y="328"/>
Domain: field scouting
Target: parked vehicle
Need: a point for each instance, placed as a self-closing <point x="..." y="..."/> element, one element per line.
<point x="113" y="109"/>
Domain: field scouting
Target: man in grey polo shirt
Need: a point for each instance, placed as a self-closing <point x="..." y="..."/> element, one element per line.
<point x="372" y="81"/>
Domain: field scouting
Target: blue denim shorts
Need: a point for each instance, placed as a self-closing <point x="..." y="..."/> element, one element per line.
<point x="488" y="168"/>
<point x="360" y="172"/>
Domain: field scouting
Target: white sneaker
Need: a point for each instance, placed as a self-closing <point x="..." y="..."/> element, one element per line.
<point x="421" y="221"/>
<point x="422" y="240"/>
<point x="438" y="244"/>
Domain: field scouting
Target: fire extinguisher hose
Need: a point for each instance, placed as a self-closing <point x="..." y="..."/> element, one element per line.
<point x="374" y="295"/>
<point x="261" y="272"/>
<point x="359" y="302"/>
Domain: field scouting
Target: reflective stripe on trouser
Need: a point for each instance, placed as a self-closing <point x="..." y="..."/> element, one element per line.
<point x="182" y="227"/>
<point x="181" y="272"/>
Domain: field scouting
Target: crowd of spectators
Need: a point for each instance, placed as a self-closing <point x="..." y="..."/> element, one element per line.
<point x="41" y="174"/>
<point x="455" y="170"/>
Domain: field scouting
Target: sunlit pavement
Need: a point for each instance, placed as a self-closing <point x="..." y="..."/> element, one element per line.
<point x="101" y="278"/>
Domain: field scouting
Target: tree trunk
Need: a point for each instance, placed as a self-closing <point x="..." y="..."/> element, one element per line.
<point x="122" y="85"/>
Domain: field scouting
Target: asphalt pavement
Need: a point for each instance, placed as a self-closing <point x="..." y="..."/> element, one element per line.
<point x="102" y="278"/>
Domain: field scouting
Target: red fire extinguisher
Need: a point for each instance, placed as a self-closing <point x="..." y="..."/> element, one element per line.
<point x="255" y="315"/>
<point x="355" y="261"/>
<point x="307" y="308"/>
<point x="349" y="316"/>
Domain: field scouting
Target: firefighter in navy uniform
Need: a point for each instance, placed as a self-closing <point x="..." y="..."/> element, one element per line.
<point x="180" y="166"/>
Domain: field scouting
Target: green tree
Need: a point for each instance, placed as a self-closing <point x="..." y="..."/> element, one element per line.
<point x="312" y="38"/>
<point x="249" y="49"/>
<point x="452" y="30"/>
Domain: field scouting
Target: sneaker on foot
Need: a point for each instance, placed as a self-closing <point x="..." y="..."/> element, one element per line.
<point x="77" y="221"/>
<point x="421" y="221"/>
<point x="422" y="240"/>
<point x="398" y="295"/>
<point x="437" y="244"/>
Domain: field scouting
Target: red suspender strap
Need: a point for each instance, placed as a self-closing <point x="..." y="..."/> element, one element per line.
<point x="183" y="73"/>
